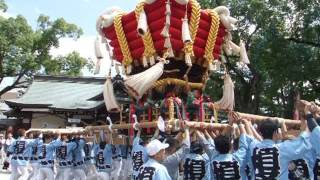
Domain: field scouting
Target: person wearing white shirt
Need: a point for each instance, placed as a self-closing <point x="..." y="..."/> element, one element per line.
<point x="153" y="169"/>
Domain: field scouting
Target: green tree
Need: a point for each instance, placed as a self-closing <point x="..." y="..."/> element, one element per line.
<point x="3" y="6"/>
<point x="25" y="52"/>
<point x="70" y="65"/>
<point x="283" y="42"/>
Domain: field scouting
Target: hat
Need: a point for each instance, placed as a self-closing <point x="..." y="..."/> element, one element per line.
<point x="155" y="146"/>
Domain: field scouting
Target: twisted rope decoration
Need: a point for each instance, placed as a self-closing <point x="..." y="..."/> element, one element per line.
<point x="178" y="82"/>
<point x="193" y="26"/>
<point x="215" y="22"/>
<point x="171" y="108"/>
<point x="149" y="49"/>
<point x="127" y="58"/>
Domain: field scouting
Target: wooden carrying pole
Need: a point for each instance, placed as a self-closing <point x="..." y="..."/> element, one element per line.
<point x="256" y="118"/>
<point x="58" y="131"/>
<point x="173" y="123"/>
<point x="143" y="125"/>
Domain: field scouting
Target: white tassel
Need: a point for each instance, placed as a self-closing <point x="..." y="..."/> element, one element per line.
<point x="129" y="69"/>
<point x="138" y="84"/>
<point x="168" y="19"/>
<point x="225" y="21"/>
<point x="168" y="7"/>
<point x="235" y="48"/>
<point x="223" y="59"/>
<point x="186" y="37"/>
<point x="232" y="20"/>
<point x="188" y="60"/>
<point x="222" y="10"/>
<point x="97" y="68"/>
<point x="227" y="49"/>
<point x="167" y="43"/>
<point x="152" y="61"/>
<point x="227" y="100"/>
<point x="144" y="61"/>
<point x="110" y="123"/>
<point x="171" y="53"/>
<point x="142" y="24"/>
<point x="228" y="37"/>
<point x="104" y="40"/>
<point x="124" y="69"/>
<point x="117" y="69"/>
<point x="215" y="66"/>
<point x="243" y="53"/>
<point x="211" y="67"/>
<point x="165" y="31"/>
<point x="98" y="48"/>
<point x="228" y="21"/>
<point x="136" y="123"/>
<point x="106" y="19"/>
<point x="108" y="95"/>
<point x="161" y="124"/>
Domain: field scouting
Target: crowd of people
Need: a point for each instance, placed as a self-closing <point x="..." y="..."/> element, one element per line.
<point x="6" y="139"/>
<point x="241" y="151"/>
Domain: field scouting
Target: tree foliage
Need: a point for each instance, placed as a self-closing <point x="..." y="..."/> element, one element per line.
<point x="3" y="6"/>
<point x="25" y="52"/>
<point x="283" y="42"/>
<point x="70" y="65"/>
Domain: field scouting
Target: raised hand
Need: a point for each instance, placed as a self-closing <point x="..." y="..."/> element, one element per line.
<point x="233" y="117"/>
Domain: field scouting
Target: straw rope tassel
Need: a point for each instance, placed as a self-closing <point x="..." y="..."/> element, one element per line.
<point x="109" y="97"/>
<point x="138" y="84"/>
<point x="243" y="53"/>
<point x="165" y="32"/>
<point x="171" y="108"/>
<point x="149" y="49"/>
<point x="193" y="29"/>
<point x="186" y="38"/>
<point x="227" y="100"/>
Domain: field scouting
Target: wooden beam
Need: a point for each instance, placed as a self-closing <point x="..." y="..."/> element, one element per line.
<point x="173" y="123"/>
<point x="256" y="118"/>
<point x="143" y="125"/>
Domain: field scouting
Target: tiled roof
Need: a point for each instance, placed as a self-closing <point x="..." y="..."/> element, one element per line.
<point x="62" y="93"/>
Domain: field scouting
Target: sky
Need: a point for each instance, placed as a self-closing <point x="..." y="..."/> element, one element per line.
<point x="83" y="13"/>
<point x="80" y="12"/>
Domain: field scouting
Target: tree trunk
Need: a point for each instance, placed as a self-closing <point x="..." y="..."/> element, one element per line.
<point x="1" y="68"/>
<point x="15" y="83"/>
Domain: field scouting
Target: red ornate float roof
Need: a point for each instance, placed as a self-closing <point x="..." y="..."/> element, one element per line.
<point x="206" y="29"/>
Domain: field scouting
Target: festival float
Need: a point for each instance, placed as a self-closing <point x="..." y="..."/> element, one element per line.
<point x="162" y="54"/>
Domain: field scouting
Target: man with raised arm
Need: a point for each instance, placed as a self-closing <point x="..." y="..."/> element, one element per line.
<point x="139" y="154"/>
<point x="46" y="157"/>
<point x="64" y="155"/>
<point x="174" y="156"/>
<point x="270" y="158"/>
<point x="21" y="150"/>
<point x="153" y="169"/>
